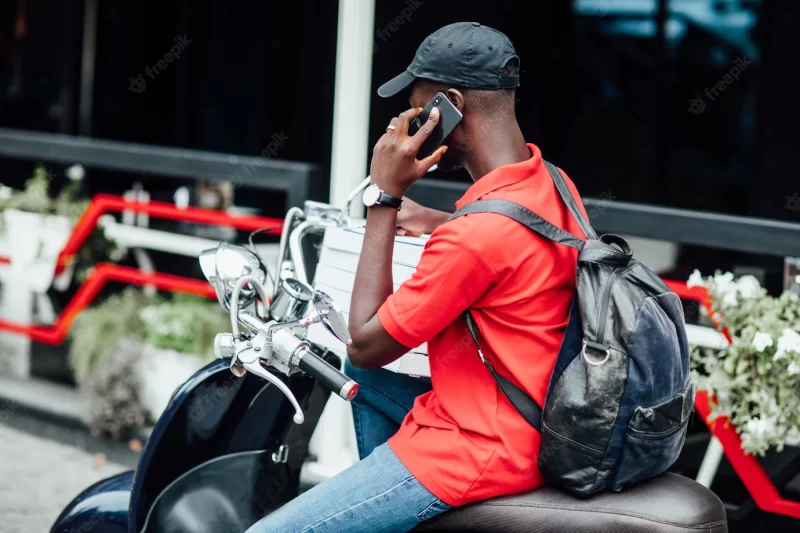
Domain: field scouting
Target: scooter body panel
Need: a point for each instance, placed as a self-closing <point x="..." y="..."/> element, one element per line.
<point x="102" y="508"/>
<point x="224" y="495"/>
<point x="214" y="417"/>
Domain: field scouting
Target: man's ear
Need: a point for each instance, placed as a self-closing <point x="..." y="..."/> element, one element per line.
<point x="456" y="98"/>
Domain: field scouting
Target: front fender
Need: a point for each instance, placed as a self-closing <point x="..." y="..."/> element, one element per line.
<point x="102" y="508"/>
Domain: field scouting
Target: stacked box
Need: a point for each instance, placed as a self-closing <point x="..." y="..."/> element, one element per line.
<point x="336" y="274"/>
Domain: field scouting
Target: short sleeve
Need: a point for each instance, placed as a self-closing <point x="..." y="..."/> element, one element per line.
<point x="451" y="276"/>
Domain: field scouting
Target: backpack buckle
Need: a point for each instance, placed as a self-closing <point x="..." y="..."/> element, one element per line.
<point x="595" y="346"/>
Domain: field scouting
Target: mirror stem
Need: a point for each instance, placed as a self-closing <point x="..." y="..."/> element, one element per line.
<point x="237" y="288"/>
<point x="288" y="226"/>
<point x="303" y="323"/>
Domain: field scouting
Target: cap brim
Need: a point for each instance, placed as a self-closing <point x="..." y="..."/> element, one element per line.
<point x="396" y="84"/>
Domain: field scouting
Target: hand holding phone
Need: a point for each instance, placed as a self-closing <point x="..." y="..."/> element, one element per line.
<point x="397" y="160"/>
<point x="449" y="117"/>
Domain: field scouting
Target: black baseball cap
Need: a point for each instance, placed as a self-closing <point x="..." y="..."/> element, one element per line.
<point x="464" y="54"/>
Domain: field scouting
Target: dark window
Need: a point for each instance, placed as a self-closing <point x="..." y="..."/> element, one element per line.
<point x="39" y="64"/>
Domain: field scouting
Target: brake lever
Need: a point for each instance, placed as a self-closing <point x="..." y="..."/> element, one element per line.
<point x="250" y="359"/>
<point x="256" y="368"/>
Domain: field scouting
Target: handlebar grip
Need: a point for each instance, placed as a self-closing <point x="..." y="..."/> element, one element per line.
<point x="328" y="376"/>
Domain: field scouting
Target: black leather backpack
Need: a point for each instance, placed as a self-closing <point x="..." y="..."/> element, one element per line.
<point x="621" y="393"/>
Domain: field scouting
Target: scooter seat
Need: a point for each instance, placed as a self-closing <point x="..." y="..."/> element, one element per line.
<point x="666" y="504"/>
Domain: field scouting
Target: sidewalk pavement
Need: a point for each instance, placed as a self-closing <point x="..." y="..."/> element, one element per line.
<point x="39" y="477"/>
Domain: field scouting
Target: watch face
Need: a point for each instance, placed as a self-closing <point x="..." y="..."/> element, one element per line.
<point x="371" y="196"/>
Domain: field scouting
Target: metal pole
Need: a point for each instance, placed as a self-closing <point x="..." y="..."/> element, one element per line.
<point x="351" y="97"/>
<point x="332" y="443"/>
<point x="711" y="462"/>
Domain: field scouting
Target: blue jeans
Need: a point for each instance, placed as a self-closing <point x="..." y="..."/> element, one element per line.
<point x="378" y="494"/>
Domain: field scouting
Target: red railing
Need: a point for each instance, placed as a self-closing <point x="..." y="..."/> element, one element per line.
<point x="103" y="273"/>
<point x="104" y="203"/>
<point x="87" y="292"/>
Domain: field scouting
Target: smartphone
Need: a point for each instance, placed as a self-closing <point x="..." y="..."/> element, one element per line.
<point x="449" y="117"/>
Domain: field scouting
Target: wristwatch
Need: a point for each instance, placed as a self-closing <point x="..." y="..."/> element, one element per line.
<point x="373" y="195"/>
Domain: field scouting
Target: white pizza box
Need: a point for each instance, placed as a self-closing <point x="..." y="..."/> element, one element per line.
<point x="342" y="299"/>
<point x="335" y="275"/>
<point x="348" y="262"/>
<point x="407" y="250"/>
<point x="413" y="364"/>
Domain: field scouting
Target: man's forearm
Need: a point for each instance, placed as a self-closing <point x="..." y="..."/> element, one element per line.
<point x="394" y="169"/>
<point x="372" y="346"/>
<point x="374" y="273"/>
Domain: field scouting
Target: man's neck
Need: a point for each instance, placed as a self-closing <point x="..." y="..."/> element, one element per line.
<point x="496" y="149"/>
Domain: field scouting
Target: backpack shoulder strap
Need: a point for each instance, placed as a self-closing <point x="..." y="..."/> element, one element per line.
<point x="524" y="216"/>
<point x="569" y="200"/>
<point x="527" y="406"/>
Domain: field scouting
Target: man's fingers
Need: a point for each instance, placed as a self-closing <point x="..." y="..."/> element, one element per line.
<point x="425" y="131"/>
<point x="393" y="126"/>
<point x="408" y="232"/>
<point x="433" y="159"/>
<point x="405" y="119"/>
<point x="411" y="113"/>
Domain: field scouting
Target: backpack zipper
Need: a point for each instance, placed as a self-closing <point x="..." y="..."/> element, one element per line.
<point x="604" y="303"/>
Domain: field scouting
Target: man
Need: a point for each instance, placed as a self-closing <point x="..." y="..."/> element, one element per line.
<point x="455" y="439"/>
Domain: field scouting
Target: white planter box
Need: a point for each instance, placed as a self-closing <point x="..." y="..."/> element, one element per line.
<point x="160" y="373"/>
<point x="32" y="242"/>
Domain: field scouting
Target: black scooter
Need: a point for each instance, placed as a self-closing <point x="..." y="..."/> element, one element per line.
<point x="229" y="448"/>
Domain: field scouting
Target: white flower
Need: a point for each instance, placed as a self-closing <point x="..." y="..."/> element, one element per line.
<point x="730" y="300"/>
<point x="789" y="341"/>
<point x="793" y="369"/>
<point x="696" y="280"/>
<point x="797" y="279"/>
<point x="760" y="427"/>
<point x="762" y="340"/>
<point x="793" y="437"/>
<point x="724" y="282"/>
<point x="6" y="192"/>
<point x="748" y="286"/>
<point x="76" y="172"/>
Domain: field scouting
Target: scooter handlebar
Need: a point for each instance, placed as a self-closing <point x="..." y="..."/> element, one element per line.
<point x="328" y="376"/>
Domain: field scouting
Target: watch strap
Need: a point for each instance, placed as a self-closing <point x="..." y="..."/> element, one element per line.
<point x="390" y="201"/>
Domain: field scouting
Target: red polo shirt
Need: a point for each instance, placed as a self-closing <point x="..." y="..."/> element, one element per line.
<point x="464" y="441"/>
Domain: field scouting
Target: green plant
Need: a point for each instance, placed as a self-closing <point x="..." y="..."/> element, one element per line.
<point x="186" y="324"/>
<point x="114" y="407"/>
<point x="35" y="198"/>
<point x="107" y="347"/>
<point x="97" y="330"/>
<point x="756" y="380"/>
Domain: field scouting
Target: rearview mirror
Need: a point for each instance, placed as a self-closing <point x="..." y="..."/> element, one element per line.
<point x="224" y="265"/>
<point x="333" y="319"/>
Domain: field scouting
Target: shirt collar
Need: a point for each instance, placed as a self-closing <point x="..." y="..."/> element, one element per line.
<point x="503" y="177"/>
